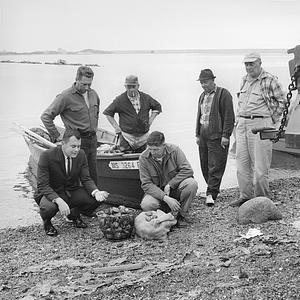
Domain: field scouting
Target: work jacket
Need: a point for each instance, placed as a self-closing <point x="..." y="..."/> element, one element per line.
<point x="173" y="170"/>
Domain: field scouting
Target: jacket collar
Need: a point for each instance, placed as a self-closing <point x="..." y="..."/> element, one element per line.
<point x="168" y="150"/>
<point x="60" y="155"/>
<point x="214" y="90"/>
<point x="75" y="91"/>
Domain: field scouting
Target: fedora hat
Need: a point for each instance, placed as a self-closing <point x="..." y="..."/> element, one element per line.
<point x="206" y="74"/>
<point x="131" y="80"/>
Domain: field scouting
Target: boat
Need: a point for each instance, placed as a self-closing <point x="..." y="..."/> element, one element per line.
<point x="282" y="147"/>
<point x="58" y="62"/>
<point x="289" y="131"/>
<point x="290" y="143"/>
<point x="118" y="173"/>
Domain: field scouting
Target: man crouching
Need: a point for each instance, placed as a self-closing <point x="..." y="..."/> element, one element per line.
<point x="64" y="183"/>
<point x="167" y="178"/>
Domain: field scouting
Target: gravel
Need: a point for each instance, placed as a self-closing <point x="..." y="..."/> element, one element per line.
<point x="210" y="259"/>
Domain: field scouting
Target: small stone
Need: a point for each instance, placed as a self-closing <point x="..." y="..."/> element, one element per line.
<point x="200" y="244"/>
<point x="25" y="290"/>
<point x="243" y="273"/>
<point x="227" y="263"/>
<point x="296" y="224"/>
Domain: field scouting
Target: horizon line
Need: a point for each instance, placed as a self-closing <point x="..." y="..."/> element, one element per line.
<point x="194" y="50"/>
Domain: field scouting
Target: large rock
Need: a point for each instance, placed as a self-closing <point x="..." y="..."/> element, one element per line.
<point x="258" y="210"/>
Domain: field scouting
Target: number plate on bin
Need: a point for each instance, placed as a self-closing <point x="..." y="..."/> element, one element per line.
<point x="124" y="165"/>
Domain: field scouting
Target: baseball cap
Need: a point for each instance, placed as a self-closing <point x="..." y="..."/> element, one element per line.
<point x="251" y="57"/>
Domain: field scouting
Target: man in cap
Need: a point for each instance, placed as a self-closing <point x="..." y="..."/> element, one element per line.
<point x="260" y="104"/>
<point x="167" y="178"/>
<point x="78" y="107"/>
<point x="133" y="108"/>
<point x="214" y="125"/>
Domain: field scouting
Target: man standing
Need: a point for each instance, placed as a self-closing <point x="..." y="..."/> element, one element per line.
<point x="261" y="103"/>
<point x="214" y="125"/>
<point x="167" y="178"/>
<point x="133" y="108"/>
<point x="78" y="108"/>
<point x="64" y="183"/>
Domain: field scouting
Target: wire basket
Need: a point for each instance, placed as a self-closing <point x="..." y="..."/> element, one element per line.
<point x="116" y="223"/>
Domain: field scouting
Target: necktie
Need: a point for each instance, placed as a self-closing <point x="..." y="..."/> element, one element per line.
<point x="68" y="165"/>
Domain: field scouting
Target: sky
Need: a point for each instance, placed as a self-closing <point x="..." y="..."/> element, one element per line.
<point x="29" y="25"/>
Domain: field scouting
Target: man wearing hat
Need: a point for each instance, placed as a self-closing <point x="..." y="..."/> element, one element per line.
<point x="260" y="104"/>
<point x="133" y="108"/>
<point x="214" y="125"/>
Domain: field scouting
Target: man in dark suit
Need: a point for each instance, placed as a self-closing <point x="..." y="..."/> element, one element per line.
<point x="64" y="183"/>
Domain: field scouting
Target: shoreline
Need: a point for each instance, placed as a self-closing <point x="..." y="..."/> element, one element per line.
<point x="210" y="250"/>
<point x="284" y="166"/>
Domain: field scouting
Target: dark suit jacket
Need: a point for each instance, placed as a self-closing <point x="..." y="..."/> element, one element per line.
<point x="52" y="179"/>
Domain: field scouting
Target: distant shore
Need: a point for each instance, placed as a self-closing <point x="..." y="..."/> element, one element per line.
<point x="149" y="51"/>
<point x="57" y="63"/>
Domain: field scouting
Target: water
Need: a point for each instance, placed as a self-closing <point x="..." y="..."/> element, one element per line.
<point x="27" y="89"/>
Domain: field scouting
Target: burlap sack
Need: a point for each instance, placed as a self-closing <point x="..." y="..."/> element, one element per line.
<point x="154" y="225"/>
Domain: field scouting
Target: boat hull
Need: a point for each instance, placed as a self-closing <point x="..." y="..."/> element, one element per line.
<point x="281" y="146"/>
<point x="118" y="174"/>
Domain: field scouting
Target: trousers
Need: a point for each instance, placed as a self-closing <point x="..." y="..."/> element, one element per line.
<point x="78" y="200"/>
<point x="213" y="159"/>
<point x="253" y="158"/>
<point x="125" y="146"/>
<point x="185" y="193"/>
<point x="89" y="146"/>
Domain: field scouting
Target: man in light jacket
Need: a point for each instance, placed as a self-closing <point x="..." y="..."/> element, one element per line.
<point x="167" y="178"/>
<point x="78" y="107"/>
